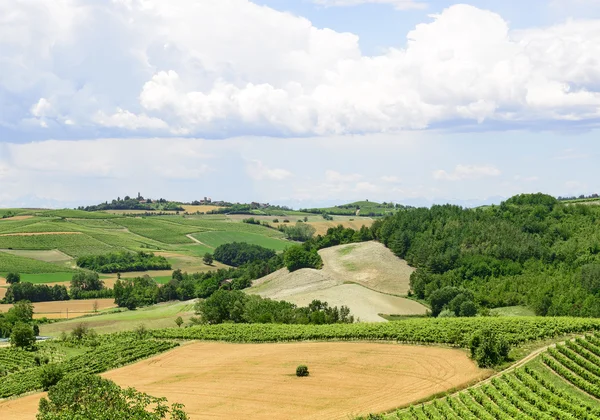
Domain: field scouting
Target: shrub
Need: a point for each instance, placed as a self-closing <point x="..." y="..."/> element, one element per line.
<point x="179" y="321"/>
<point x="207" y="259"/>
<point x="302" y="370"/>
<point x="50" y="375"/>
<point x="141" y="331"/>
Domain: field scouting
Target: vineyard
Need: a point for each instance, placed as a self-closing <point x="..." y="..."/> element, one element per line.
<point x="529" y="392"/>
<point x="109" y="352"/>
<point x="453" y="331"/>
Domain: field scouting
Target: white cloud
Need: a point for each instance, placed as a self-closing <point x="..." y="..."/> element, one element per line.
<point x="258" y="171"/>
<point x="462" y="172"/>
<point x="334" y="176"/>
<point x="129" y="120"/>
<point x="398" y="4"/>
<point x="391" y="179"/>
<point x="526" y="178"/>
<point x="228" y="67"/>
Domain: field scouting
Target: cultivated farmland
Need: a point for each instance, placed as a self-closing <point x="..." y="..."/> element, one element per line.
<point x="227" y="381"/>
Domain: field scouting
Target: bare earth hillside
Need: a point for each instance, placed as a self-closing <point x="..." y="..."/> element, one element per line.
<point x="367" y="277"/>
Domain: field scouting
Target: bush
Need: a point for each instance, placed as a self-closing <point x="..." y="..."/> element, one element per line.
<point x="302" y="370"/>
<point x="488" y="349"/>
<point x="50" y="375"/>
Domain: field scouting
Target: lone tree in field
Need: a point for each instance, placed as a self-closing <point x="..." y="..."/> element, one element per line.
<point x="12" y="278"/>
<point x="208" y="259"/>
<point x="302" y="370"/>
<point x="179" y="321"/>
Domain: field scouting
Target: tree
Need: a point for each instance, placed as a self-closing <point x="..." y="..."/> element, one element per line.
<point x="86" y="396"/>
<point x="296" y="257"/>
<point x="22" y="335"/>
<point x="488" y="349"/>
<point x="50" y="375"/>
<point x="86" y="280"/>
<point x="21" y="311"/>
<point x="179" y="321"/>
<point x="208" y="259"/>
<point x="12" y="278"/>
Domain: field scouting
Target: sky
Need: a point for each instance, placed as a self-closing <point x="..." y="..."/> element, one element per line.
<point x="302" y="103"/>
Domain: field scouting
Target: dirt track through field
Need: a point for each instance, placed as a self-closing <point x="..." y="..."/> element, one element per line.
<point x="257" y="381"/>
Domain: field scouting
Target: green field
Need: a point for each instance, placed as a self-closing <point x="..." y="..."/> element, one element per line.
<point x="94" y="233"/>
<point x="214" y="239"/>
<point x="162" y="315"/>
<point x="46" y="278"/>
<point x="19" y="264"/>
<point x="513" y="311"/>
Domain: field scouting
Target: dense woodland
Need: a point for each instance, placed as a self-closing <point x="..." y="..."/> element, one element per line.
<point x="530" y="250"/>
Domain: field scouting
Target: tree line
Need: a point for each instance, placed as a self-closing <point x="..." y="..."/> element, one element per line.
<point x="123" y="261"/>
<point x="238" y="307"/>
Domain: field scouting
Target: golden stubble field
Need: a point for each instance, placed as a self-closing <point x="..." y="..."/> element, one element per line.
<point x="257" y="381"/>
<point x="65" y="308"/>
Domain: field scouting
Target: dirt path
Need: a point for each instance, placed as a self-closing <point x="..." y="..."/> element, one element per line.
<point x="257" y="381"/>
<point x="197" y="241"/>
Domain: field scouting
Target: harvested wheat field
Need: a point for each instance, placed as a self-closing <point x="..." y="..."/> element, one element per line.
<point x="58" y="309"/>
<point x="2" y="292"/>
<point x="354" y="224"/>
<point x="257" y="381"/>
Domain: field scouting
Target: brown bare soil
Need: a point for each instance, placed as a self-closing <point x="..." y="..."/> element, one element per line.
<point x="257" y="381"/>
<point x="367" y="277"/>
<point x="40" y="233"/>
<point x="59" y="309"/>
<point x="17" y="218"/>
